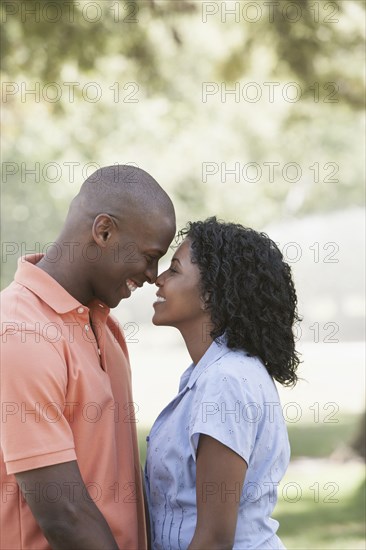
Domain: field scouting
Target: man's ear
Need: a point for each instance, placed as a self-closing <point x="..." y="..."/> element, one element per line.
<point x="102" y="230"/>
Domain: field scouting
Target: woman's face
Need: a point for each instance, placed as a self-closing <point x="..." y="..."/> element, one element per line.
<point x="179" y="302"/>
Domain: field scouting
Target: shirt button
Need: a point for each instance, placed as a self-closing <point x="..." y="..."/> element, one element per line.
<point x="80" y="310"/>
<point x="86" y="327"/>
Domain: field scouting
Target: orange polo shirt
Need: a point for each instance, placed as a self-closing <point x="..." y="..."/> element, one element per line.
<point x="66" y="395"/>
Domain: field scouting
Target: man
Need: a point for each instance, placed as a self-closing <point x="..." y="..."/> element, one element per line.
<point x="68" y="438"/>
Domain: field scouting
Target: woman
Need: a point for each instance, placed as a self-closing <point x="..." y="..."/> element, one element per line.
<point x="218" y="451"/>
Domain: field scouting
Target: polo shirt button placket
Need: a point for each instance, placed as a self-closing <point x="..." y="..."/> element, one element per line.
<point x="81" y="310"/>
<point x="87" y="328"/>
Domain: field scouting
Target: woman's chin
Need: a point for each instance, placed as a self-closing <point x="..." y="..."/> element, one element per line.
<point x="156" y="321"/>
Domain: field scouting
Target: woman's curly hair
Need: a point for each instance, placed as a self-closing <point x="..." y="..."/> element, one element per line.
<point x="249" y="292"/>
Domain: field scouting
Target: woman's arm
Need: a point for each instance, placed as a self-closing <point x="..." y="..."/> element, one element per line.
<point x="219" y="482"/>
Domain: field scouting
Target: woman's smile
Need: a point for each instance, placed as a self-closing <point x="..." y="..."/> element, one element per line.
<point x="178" y="291"/>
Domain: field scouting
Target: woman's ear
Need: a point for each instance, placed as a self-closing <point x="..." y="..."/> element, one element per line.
<point x="204" y="301"/>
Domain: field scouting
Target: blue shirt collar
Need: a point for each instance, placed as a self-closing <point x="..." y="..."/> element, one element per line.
<point x="217" y="349"/>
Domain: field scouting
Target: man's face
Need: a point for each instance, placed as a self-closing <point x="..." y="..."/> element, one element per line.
<point x="131" y="257"/>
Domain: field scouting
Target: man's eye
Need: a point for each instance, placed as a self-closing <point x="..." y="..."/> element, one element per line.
<point x="172" y="270"/>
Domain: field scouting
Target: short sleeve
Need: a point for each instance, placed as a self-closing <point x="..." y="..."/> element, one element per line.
<point x="34" y="429"/>
<point x="224" y="409"/>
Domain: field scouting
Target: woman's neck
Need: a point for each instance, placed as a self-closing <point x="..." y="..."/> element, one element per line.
<point x="197" y="341"/>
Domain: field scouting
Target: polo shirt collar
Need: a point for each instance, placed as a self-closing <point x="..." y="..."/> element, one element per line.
<point x="46" y="287"/>
<point x="217" y="349"/>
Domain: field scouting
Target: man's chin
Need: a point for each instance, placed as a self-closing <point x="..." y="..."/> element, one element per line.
<point x="122" y="293"/>
<point x="112" y="301"/>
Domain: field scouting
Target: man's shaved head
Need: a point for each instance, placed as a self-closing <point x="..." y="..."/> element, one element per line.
<point x="118" y="227"/>
<point x="121" y="191"/>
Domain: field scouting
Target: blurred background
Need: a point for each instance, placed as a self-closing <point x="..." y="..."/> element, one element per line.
<point x="249" y="110"/>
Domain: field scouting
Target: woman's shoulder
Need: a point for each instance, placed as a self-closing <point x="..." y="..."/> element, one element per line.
<point x="237" y="371"/>
<point x="236" y="362"/>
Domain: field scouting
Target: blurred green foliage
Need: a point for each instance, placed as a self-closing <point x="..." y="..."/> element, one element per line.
<point x="150" y="61"/>
<point x="40" y="37"/>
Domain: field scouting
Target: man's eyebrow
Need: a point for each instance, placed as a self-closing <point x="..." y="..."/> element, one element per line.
<point x="175" y="260"/>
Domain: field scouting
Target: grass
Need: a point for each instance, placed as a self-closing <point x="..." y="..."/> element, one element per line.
<point x="330" y="515"/>
<point x="322" y="439"/>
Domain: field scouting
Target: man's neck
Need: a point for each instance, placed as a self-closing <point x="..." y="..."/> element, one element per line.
<point x="57" y="264"/>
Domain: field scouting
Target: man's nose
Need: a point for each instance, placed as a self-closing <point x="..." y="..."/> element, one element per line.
<point x="151" y="274"/>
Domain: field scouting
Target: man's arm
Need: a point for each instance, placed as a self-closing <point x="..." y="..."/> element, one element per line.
<point x="220" y="476"/>
<point x="63" y="509"/>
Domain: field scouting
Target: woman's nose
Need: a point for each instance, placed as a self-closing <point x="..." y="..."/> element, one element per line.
<point x="159" y="280"/>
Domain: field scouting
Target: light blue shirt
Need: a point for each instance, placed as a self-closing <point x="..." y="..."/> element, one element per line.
<point x="229" y="396"/>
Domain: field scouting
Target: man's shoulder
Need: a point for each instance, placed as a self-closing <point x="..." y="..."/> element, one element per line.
<point x="20" y="306"/>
